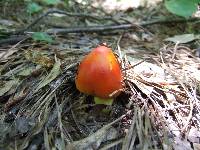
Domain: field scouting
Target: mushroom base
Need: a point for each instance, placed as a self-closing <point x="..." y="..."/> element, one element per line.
<point x="103" y="101"/>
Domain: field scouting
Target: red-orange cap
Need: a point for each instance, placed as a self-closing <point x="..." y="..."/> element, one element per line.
<point x="99" y="73"/>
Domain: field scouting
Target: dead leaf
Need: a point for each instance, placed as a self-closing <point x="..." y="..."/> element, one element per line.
<point x="7" y="86"/>
<point x="6" y="53"/>
<point x="184" y="38"/>
<point x="93" y="141"/>
<point x="51" y="76"/>
<point x="39" y="58"/>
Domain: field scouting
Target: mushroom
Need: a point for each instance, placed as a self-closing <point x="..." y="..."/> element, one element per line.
<point x="99" y="74"/>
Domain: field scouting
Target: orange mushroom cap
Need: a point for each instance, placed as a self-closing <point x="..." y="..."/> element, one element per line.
<point x="99" y="74"/>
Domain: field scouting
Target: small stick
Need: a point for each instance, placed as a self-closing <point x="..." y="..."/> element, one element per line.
<point x="53" y="11"/>
<point x="175" y="50"/>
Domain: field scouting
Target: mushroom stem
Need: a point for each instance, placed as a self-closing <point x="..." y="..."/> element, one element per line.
<point x="106" y="101"/>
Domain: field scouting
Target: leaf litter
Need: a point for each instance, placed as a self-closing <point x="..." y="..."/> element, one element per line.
<point x="158" y="109"/>
<point x="43" y="110"/>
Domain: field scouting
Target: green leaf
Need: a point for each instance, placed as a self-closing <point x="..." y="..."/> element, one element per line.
<point x="41" y="36"/>
<point x="184" y="38"/>
<point x="98" y="100"/>
<point x="51" y="2"/>
<point x="184" y="8"/>
<point x="51" y="76"/>
<point x="33" y="8"/>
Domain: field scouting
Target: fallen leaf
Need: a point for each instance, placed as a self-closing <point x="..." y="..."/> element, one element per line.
<point x="184" y="38"/>
<point x="94" y="140"/>
<point x="27" y="70"/>
<point x="51" y="76"/>
<point x="7" y="86"/>
<point x="39" y="58"/>
<point x="5" y="54"/>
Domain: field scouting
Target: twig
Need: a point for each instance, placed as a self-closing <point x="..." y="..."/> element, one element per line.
<point x="116" y="27"/>
<point x="118" y="46"/>
<point x="174" y="52"/>
<point x="168" y="20"/>
<point x="132" y="66"/>
<point x="53" y="11"/>
<point x="91" y="28"/>
<point x="192" y="102"/>
<point x="13" y="40"/>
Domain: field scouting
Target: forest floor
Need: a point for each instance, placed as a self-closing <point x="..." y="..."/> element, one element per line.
<point x="40" y="107"/>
